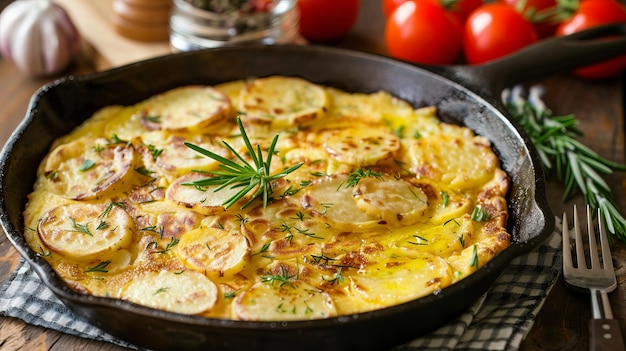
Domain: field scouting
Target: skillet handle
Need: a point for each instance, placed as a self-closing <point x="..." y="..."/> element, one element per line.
<point x="544" y="58"/>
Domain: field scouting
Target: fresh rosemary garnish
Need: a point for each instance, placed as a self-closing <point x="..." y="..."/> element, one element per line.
<point x="245" y="175"/>
<point x="576" y="166"/>
<point x="355" y="177"/>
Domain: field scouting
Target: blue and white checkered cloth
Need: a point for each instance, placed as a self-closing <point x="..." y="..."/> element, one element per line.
<point x="498" y="321"/>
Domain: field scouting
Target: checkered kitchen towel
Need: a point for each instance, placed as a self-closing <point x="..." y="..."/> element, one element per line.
<point x="498" y="321"/>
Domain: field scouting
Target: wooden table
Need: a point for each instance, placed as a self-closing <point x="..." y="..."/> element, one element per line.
<point x="561" y="324"/>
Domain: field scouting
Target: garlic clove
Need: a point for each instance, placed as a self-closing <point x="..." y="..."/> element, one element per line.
<point x="38" y="36"/>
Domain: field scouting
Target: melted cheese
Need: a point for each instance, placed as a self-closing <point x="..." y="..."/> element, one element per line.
<point x="115" y="213"/>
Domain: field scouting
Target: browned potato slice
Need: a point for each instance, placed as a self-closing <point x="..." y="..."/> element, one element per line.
<point x="86" y="231"/>
<point x="187" y="292"/>
<point x="89" y="168"/>
<point x="215" y="252"/>
<point x="294" y="300"/>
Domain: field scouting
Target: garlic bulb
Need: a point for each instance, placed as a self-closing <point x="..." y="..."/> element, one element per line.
<point x="38" y="36"/>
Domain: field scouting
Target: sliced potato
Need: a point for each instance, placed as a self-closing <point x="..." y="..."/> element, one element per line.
<point x="89" y="168"/>
<point x="390" y="199"/>
<point x="360" y="146"/>
<point x="215" y="252"/>
<point x="186" y="292"/>
<point x="86" y="231"/>
<point x="410" y="278"/>
<point x="295" y="300"/>
<point x="331" y="201"/>
<point x="282" y="101"/>
<point x="205" y="200"/>
<point x="185" y="108"/>
<point x="463" y="163"/>
<point x="179" y="159"/>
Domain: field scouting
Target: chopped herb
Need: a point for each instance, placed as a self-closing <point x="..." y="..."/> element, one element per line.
<point x="54" y="175"/>
<point x="419" y="240"/>
<point x="100" y="267"/>
<point x="231" y="294"/>
<point x="242" y="220"/>
<point x="282" y="278"/>
<point x="462" y="240"/>
<point x="44" y="253"/>
<point x="299" y="216"/>
<point x="102" y="225"/>
<point x="400" y="131"/>
<point x="153" y="119"/>
<point x="116" y="140"/>
<point x="321" y="258"/>
<point x="87" y="164"/>
<point x="479" y="214"/>
<point x="286" y="227"/>
<point x="110" y="207"/>
<point x="144" y="171"/>
<point x="161" y="290"/>
<point x="474" y="262"/>
<point x="81" y="228"/>
<point x="98" y="148"/>
<point x="445" y="197"/>
<point x="263" y="249"/>
<point x="451" y="220"/>
<point x="171" y="244"/>
<point x="154" y="151"/>
<point x="337" y="278"/>
<point x="355" y="177"/>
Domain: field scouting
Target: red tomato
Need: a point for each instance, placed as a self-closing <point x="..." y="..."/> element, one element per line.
<point x="537" y="12"/>
<point x="421" y="31"/>
<point x="495" y="30"/>
<point x="327" y="20"/>
<point x="460" y="8"/>
<point x="391" y="5"/>
<point x="592" y="13"/>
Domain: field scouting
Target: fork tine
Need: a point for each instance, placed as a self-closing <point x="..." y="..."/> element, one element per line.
<point x="607" y="262"/>
<point x="580" y="254"/>
<point x="593" y="246"/>
<point x="567" y="253"/>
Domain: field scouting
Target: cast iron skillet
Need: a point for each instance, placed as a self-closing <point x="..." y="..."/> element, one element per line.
<point x="465" y="95"/>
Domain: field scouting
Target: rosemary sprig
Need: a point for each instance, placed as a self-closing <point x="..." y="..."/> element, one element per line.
<point x="577" y="166"/>
<point x="245" y="175"/>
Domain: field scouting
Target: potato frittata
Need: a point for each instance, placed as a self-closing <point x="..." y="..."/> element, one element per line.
<point x="348" y="202"/>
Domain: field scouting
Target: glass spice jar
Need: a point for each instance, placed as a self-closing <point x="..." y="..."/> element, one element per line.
<point x="197" y="24"/>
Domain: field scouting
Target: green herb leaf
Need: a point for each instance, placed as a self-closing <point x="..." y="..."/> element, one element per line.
<point x="245" y="175"/>
<point x="87" y="164"/>
<point x="100" y="267"/>
<point x="578" y="167"/>
<point x="81" y="228"/>
<point x="355" y="177"/>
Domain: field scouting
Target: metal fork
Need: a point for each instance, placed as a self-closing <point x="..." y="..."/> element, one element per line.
<point x="604" y="331"/>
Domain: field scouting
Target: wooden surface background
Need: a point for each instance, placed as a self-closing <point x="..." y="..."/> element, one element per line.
<point x="561" y="324"/>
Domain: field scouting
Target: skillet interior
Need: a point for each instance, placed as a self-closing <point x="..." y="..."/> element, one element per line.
<point x="60" y="106"/>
